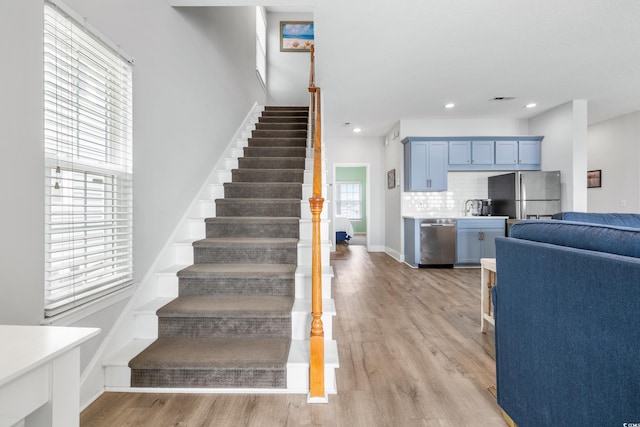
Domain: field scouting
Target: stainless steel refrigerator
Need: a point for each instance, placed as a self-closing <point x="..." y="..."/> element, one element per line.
<point x="525" y="195"/>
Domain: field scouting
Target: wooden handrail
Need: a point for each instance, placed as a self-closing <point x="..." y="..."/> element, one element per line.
<point x="316" y="359"/>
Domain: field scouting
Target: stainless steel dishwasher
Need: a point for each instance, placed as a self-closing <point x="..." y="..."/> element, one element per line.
<point x="437" y="242"/>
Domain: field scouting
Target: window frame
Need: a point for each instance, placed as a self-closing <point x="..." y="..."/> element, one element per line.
<point x="358" y="200"/>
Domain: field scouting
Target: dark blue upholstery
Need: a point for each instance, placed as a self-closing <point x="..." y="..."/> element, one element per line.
<point x="567" y="324"/>
<point x="620" y="219"/>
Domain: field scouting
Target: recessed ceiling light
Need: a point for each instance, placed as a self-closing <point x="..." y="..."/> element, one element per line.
<point x="357" y="130"/>
<point x="531" y="105"/>
<point x="449" y="105"/>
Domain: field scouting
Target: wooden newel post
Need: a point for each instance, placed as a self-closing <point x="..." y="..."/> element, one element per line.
<point x="316" y="366"/>
<point x="316" y="340"/>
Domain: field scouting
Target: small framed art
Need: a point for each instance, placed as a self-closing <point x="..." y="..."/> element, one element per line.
<point x="391" y="179"/>
<point x="594" y="178"/>
<point x="296" y="36"/>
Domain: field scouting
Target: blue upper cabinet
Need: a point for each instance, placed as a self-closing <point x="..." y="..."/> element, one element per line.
<point x="494" y="153"/>
<point x="470" y="154"/>
<point x="520" y="154"/>
<point x="425" y="165"/>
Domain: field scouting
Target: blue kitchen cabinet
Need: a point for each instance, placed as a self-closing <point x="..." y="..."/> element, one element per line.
<point x="471" y="153"/>
<point x="475" y="238"/>
<point x="425" y="165"/>
<point x="518" y="154"/>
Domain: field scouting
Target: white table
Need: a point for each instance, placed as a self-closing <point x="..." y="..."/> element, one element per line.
<point x="487" y="281"/>
<point x="40" y="375"/>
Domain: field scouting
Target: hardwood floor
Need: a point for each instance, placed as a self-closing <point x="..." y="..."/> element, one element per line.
<point x="411" y="354"/>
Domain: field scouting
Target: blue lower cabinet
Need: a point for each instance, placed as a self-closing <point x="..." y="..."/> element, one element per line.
<point x="475" y="239"/>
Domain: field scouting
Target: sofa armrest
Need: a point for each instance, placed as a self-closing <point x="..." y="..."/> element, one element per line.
<point x="567" y="334"/>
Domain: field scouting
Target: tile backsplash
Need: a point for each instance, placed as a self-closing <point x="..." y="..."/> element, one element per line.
<point x="461" y="187"/>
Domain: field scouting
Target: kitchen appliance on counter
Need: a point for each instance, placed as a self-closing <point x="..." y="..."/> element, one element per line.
<point x="478" y="207"/>
<point x="525" y="195"/>
<point x="437" y="242"/>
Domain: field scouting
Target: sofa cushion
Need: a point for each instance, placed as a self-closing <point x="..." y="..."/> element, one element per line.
<point x="618" y="219"/>
<point x="594" y="237"/>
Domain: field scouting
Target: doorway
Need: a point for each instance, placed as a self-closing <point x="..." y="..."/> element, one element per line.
<point x="351" y="194"/>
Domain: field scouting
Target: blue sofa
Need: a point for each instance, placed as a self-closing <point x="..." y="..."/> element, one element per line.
<point x="567" y="321"/>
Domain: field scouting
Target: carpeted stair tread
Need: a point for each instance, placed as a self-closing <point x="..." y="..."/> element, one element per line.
<point x="242" y="250"/>
<point x="245" y="241"/>
<point x="283" y="119"/>
<point x="261" y="190"/>
<point x="267" y="175"/>
<point x="271" y="151"/>
<point x="271" y="162"/>
<point x="214" y="353"/>
<point x="265" y="220"/>
<point x="286" y="107"/>
<point x="283" y="113"/>
<point x="207" y="270"/>
<point x="256" y="227"/>
<point x="228" y="305"/>
<point x="260" y="207"/>
<point x="281" y="126"/>
<point x="277" y="142"/>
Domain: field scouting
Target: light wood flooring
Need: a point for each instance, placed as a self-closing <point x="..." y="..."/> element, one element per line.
<point x="411" y="354"/>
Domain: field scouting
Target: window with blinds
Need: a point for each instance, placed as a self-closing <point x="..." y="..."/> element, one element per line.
<point x="88" y="165"/>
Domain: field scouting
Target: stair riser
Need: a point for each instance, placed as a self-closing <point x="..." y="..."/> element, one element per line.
<point x="245" y="255"/>
<point x="257" y="208"/>
<point x="204" y="378"/>
<point x="267" y="175"/>
<point x="305" y="255"/>
<point x="276" y="286"/>
<point x="275" y="142"/>
<point x="304" y="284"/>
<point x="253" y="230"/>
<point x="271" y="163"/>
<point x="227" y="326"/>
<point x="262" y="191"/>
<point x="275" y="152"/>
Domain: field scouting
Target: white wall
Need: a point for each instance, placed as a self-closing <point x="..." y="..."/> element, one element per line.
<point x="287" y="72"/>
<point x="564" y="148"/>
<point x="22" y="171"/>
<point x="393" y="159"/>
<point x="362" y="151"/>
<point x="614" y="147"/>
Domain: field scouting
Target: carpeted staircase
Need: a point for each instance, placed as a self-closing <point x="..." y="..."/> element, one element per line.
<point x="230" y="326"/>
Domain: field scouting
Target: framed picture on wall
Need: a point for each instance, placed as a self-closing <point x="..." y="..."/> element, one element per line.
<point x="296" y="36"/>
<point x="391" y="179"/>
<point x="594" y="178"/>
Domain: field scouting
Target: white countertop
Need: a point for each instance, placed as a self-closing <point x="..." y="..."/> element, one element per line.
<point x="25" y="347"/>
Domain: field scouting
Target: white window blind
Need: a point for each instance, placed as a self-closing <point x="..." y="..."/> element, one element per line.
<point x="349" y="200"/>
<point x="261" y="45"/>
<point x="88" y="165"/>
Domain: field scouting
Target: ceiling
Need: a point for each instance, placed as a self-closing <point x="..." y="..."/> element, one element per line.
<point x="382" y="61"/>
